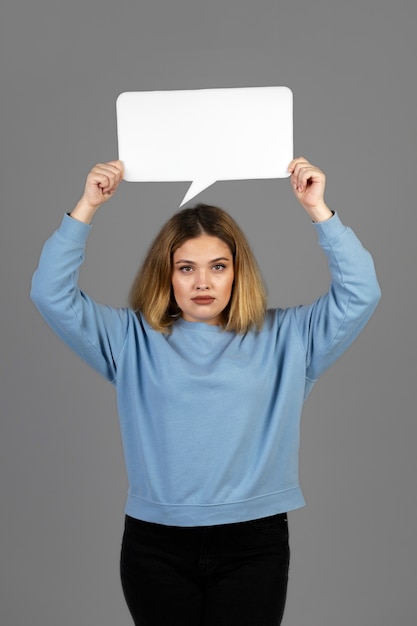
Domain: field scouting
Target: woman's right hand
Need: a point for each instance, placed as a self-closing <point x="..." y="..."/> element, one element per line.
<point x="101" y="184"/>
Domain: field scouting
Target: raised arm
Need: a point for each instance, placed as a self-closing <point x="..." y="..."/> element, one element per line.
<point x="329" y="325"/>
<point x="94" y="331"/>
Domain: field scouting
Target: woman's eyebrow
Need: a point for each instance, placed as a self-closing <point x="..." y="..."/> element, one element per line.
<point x="220" y="258"/>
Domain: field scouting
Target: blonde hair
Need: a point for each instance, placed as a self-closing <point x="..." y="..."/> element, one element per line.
<point x="152" y="293"/>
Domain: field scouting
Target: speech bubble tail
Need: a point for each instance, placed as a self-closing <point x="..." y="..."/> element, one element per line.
<point x="196" y="187"/>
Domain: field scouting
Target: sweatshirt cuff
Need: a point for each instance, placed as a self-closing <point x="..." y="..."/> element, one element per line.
<point x="71" y="228"/>
<point x="331" y="228"/>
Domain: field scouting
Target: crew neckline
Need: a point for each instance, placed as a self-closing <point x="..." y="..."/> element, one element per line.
<point x="198" y="326"/>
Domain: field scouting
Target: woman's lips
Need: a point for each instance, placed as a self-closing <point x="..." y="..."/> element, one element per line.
<point x="203" y="300"/>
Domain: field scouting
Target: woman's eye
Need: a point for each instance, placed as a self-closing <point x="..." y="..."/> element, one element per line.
<point x="187" y="269"/>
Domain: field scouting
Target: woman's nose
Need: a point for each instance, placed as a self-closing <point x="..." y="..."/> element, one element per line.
<point x="201" y="281"/>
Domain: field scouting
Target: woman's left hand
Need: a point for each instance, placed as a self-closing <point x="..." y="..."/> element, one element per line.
<point x="308" y="183"/>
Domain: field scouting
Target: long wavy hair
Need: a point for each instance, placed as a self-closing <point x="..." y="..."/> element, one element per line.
<point x="152" y="294"/>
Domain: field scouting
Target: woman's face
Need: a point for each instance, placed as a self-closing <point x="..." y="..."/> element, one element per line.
<point x="202" y="278"/>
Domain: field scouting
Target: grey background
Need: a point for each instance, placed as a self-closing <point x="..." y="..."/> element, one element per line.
<point x="352" y="68"/>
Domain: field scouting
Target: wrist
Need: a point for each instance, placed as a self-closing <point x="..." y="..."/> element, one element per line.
<point x="84" y="212"/>
<point x="320" y="213"/>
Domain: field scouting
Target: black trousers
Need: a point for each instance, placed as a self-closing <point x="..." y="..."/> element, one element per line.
<point x="225" y="575"/>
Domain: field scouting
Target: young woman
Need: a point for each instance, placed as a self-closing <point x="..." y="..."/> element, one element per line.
<point x="210" y="388"/>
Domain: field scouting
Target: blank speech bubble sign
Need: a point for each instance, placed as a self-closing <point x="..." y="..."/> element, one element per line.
<point x="205" y="135"/>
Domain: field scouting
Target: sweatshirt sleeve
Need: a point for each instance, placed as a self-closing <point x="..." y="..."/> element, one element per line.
<point x="95" y="332"/>
<point x="328" y="326"/>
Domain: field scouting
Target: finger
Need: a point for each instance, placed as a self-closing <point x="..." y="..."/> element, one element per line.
<point x="112" y="168"/>
<point x="303" y="166"/>
<point x="116" y="166"/>
<point x="299" y="168"/>
<point x="118" y="171"/>
<point x="99" y="178"/>
<point x="305" y="173"/>
<point x="107" y="176"/>
<point x="295" y="162"/>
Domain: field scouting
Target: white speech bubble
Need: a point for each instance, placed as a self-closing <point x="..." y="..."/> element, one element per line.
<point x="205" y="135"/>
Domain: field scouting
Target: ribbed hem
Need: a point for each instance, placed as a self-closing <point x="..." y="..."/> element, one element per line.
<point x="331" y="228"/>
<point x="213" y="514"/>
<point x="71" y="228"/>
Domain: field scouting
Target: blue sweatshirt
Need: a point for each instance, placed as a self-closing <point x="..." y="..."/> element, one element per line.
<point x="210" y="420"/>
